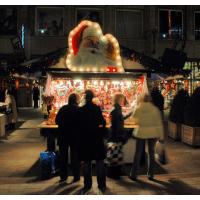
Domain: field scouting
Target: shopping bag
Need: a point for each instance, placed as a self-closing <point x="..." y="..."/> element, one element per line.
<point x="47" y="164"/>
<point x="114" y="154"/>
<point x="161" y="153"/>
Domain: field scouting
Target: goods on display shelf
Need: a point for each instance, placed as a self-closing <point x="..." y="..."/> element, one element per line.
<point x="169" y="88"/>
<point x="104" y="88"/>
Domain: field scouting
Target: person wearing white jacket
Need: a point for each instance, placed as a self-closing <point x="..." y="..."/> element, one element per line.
<point x="12" y="108"/>
<point x="150" y="124"/>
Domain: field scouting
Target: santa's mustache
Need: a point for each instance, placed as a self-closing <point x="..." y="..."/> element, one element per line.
<point x="90" y="57"/>
<point x="91" y="50"/>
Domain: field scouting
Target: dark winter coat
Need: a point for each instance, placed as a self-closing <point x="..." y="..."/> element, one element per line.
<point x="117" y="131"/>
<point x="67" y="120"/>
<point x="92" y="137"/>
<point x="36" y="94"/>
<point x="158" y="99"/>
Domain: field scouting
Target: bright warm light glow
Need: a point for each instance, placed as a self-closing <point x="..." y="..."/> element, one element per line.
<point x="107" y="69"/>
<point x="89" y="23"/>
<point x="118" y="57"/>
<point x="99" y="32"/>
<point x="115" y="82"/>
<point x="95" y="82"/>
<point x="94" y="69"/>
<point x="128" y="83"/>
<point x="105" y="38"/>
<point x="96" y="25"/>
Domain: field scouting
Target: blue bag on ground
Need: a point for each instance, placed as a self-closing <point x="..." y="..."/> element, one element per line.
<point x="47" y="164"/>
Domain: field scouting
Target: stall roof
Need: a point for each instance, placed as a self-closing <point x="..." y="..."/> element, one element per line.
<point x="64" y="74"/>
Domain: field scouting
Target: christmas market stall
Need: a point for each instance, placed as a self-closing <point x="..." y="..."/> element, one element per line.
<point x="93" y="62"/>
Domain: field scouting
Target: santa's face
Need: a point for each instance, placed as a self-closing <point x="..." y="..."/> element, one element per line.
<point x="92" y="54"/>
<point x="91" y="51"/>
<point x="90" y="42"/>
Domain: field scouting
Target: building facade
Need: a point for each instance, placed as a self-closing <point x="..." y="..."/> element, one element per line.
<point x="147" y="29"/>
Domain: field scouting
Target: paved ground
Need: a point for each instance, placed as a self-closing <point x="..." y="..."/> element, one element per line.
<point x="19" y="167"/>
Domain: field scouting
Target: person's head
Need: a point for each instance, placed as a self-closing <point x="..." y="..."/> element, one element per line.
<point x="147" y="98"/>
<point x="89" y="95"/>
<point x="73" y="99"/>
<point x="119" y="99"/>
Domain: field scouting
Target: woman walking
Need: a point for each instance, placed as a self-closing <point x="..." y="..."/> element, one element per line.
<point x="148" y="117"/>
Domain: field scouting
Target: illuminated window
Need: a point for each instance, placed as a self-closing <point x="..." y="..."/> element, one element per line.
<point x="170" y="24"/>
<point x="197" y="25"/>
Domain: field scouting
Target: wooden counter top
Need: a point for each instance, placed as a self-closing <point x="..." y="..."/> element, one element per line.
<point x="44" y="125"/>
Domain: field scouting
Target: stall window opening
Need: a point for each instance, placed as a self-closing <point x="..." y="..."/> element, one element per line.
<point x="170" y="24"/>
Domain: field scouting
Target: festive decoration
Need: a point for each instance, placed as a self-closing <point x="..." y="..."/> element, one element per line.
<point x="17" y="84"/>
<point x="91" y="51"/>
<point x="104" y="90"/>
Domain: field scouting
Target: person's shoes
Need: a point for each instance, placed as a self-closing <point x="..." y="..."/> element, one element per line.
<point x="101" y="190"/>
<point x="133" y="178"/>
<point x="85" y="190"/>
<point x="150" y="178"/>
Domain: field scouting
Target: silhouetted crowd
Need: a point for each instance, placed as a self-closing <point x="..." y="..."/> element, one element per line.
<point x="83" y="131"/>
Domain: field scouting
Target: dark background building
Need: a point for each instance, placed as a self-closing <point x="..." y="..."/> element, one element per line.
<point x="147" y="29"/>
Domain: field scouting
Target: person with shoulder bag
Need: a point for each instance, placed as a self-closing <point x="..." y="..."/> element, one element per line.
<point x="150" y="130"/>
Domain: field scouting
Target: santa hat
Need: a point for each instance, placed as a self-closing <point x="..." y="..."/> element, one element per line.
<point x="91" y="31"/>
<point x="84" y="29"/>
<point x="76" y="39"/>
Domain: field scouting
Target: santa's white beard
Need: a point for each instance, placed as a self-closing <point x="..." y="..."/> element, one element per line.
<point x="89" y="59"/>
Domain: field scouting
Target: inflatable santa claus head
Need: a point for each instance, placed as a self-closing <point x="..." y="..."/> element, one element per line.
<point x="91" y="51"/>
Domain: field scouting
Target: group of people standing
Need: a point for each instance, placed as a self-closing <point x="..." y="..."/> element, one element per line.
<point x="83" y="130"/>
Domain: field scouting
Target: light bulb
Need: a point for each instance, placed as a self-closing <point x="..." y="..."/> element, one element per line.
<point x="113" y="40"/>
<point x="99" y="32"/>
<point x="89" y="23"/>
<point x="68" y="61"/>
<point x="117" y="51"/>
<point x="118" y="57"/>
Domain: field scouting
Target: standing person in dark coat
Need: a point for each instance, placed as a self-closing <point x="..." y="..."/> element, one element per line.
<point x="68" y="137"/>
<point x="117" y="134"/>
<point x="92" y="143"/>
<point x="36" y="94"/>
<point x="157" y="99"/>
